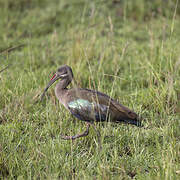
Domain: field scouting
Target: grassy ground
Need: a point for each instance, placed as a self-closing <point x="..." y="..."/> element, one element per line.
<point x="129" y="50"/>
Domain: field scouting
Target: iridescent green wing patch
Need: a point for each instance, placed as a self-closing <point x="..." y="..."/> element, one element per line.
<point x="80" y="103"/>
<point x="83" y="109"/>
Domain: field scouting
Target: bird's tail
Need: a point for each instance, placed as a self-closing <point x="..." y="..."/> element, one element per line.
<point x="135" y="122"/>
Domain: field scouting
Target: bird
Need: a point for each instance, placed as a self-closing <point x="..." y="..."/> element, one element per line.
<point x="88" y="105"/>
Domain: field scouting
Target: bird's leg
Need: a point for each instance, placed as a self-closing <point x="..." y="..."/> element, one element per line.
<point x="85" y="133"/>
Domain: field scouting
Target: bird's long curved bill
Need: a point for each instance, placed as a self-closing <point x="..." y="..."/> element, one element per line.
<point x="53" y="79"/>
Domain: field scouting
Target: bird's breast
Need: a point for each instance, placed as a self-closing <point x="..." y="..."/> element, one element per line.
<point x="61" y="96"/>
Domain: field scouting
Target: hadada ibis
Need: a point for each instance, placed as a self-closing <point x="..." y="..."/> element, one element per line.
<point x="88" y="105"/>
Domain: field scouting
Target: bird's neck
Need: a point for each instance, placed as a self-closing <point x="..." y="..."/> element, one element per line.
<point x="61" y="87"/>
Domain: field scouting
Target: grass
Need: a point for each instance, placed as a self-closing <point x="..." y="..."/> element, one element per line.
<point x="129" y="50"/>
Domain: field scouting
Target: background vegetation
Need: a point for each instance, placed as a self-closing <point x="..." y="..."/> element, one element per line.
<point x="127" y="49"/>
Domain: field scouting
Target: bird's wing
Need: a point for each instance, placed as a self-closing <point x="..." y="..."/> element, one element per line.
<point x="89" y="103"/>
<point x="118" y="111"/>
<point x="88" y="110"/>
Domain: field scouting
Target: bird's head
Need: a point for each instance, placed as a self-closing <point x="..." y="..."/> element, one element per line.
<point x="64" y="73"/>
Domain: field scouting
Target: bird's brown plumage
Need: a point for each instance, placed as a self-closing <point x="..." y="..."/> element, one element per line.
<point x="116" y="111"/>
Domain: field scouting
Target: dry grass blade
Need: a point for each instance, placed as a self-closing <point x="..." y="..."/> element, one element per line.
<point x="9" y="49"/>
<point x="5" y="68"/>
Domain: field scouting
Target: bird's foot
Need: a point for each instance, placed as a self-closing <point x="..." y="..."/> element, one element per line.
<point x="85" y="133"/>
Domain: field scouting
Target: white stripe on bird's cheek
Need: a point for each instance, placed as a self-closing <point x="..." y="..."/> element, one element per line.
<point x="64" y="75"/>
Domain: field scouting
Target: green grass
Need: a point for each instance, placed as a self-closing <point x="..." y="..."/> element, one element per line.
<point x="129" y="50"/>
